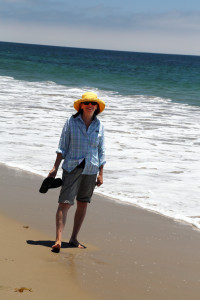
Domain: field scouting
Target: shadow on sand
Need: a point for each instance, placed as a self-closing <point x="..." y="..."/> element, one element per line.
<point x="48" y="244"/>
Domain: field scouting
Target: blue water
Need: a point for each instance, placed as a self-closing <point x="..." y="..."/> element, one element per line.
<point x="175" y="77"/>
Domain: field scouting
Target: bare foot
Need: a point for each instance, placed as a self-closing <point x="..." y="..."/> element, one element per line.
<point x="56" y="247"/>
<point x="76" y="244"/>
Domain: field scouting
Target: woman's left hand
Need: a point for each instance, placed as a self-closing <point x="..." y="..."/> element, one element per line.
<point x="99" y="180"/>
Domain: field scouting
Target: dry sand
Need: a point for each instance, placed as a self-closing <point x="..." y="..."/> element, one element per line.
<point x="131" y="253"/>
<point x="32" y="267"/>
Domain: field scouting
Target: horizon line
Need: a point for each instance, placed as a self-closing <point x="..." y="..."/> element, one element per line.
<point x="102" y="49"/>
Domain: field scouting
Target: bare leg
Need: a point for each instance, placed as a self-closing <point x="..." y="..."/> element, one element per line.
<point x="61" y="217"/>
<point x="78" y="221"/>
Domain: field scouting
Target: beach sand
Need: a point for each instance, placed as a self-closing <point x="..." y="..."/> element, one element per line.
<point x="131" y="253"/>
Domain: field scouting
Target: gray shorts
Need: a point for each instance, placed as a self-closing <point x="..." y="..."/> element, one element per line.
<point x="76" y="184"/>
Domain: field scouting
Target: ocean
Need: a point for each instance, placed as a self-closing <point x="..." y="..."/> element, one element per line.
<point x="152" y="119"/>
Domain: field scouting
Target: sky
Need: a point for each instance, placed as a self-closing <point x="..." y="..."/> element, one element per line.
<point x="157" y="26"/>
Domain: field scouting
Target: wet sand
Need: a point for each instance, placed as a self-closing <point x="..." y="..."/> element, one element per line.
<point x="131" y="253"/>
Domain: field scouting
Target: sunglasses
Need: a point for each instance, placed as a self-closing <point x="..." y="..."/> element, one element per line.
<point x="87" y="103"/>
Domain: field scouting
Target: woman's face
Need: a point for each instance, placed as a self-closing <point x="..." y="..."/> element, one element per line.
<point x="89" y="108"/>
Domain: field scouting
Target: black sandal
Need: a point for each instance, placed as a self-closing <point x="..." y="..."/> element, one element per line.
<point x="50" y="183"/>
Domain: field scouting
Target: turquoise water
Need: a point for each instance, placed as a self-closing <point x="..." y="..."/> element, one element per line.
<point x="176" y="77"/>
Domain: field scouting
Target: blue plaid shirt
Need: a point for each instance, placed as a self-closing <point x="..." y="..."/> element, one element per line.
<point x="77" y="143"/>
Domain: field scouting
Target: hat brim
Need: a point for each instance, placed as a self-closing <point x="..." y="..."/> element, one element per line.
<point x="100" y="102"/>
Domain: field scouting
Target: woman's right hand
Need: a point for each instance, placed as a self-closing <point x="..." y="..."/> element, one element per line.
<point x="53" y="172"/>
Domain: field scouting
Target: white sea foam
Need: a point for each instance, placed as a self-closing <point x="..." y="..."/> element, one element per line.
<point x="153" y="144"/>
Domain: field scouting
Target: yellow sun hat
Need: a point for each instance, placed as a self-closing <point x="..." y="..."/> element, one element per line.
<point x="88" y="97"/>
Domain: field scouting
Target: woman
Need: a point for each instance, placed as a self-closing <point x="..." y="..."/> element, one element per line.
<point x="82" y="148"/>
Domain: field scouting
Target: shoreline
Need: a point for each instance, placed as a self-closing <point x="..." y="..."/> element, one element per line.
<point x="131" y="252"/>
<point x="114" y="200"/>
<point x="126" y="203"/>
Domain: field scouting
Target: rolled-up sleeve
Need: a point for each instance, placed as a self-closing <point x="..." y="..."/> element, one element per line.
<point x="64" y="140"/>
<point x="101" y="148"/>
